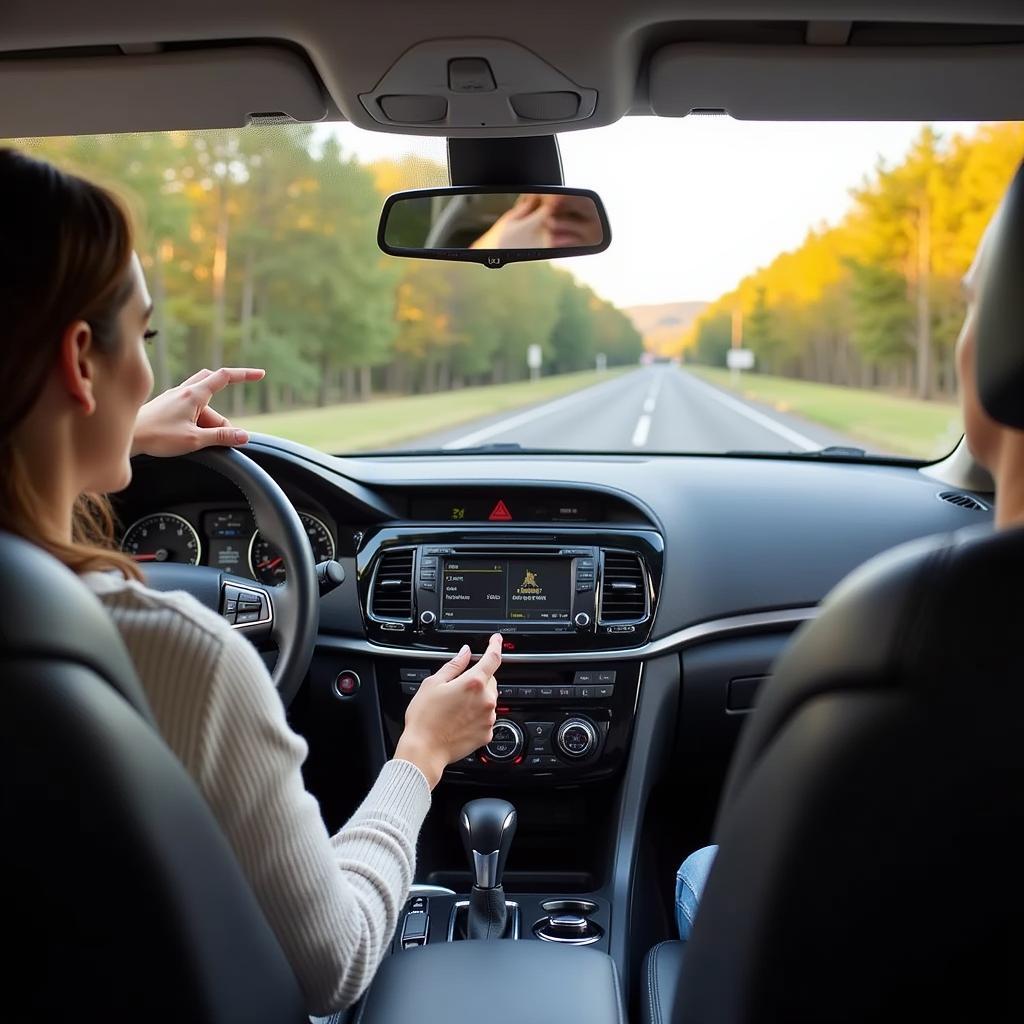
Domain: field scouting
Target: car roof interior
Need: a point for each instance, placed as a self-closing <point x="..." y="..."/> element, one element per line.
<point x="129" y="66"/>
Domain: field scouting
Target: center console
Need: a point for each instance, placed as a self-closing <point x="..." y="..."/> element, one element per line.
<point x="569" y="604"/>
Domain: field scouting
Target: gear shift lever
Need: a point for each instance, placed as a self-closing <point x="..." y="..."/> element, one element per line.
<point x="487" y="828"/>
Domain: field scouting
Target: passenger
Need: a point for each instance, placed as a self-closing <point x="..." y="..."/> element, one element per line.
<point x="1000" y="449"/>
<point x="74" y="375"/>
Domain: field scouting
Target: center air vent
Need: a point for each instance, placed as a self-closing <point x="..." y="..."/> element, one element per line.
<point x="962" y="500"/>
<point x="392" y="586"/>
<point x="623" y="587"/>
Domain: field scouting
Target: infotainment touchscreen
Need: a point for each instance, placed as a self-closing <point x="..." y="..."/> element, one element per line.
<point x="506" y="590"/>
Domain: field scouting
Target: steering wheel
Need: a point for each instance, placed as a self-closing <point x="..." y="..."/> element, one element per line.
<point x="288" y="614"/>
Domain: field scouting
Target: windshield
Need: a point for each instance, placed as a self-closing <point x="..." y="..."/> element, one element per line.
<point x="769" y="287"/>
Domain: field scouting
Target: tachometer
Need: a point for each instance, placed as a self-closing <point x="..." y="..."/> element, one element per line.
<point x="162" y="537"/>
<point x="267" y="563"/>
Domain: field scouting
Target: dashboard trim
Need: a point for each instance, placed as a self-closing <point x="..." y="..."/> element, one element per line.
<point x="701" y="632"/>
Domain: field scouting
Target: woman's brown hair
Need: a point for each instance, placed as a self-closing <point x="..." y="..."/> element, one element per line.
<point x="65" y="252"/>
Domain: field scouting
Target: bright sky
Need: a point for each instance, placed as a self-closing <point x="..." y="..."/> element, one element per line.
<point x="697" y="203"/>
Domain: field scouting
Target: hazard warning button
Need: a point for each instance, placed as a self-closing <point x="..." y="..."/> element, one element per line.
<point x="500" y="512"/>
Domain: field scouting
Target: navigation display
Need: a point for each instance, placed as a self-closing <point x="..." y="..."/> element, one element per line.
<point x="506" y="590"/>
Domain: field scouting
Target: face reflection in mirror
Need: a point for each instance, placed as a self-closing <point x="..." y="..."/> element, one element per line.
<point x="544" y="222"/>
<point x="507" y="221"/>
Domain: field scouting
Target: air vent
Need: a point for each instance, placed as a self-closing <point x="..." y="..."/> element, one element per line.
<point x="962" y="500"/>
<point x="392" y="586"/>
<point x="623" y="588"/>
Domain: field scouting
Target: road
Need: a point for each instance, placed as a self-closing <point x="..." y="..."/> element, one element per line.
<point x="660" y="408"/>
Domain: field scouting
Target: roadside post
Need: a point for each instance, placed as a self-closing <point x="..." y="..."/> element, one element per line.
<point x="534" y="358"/>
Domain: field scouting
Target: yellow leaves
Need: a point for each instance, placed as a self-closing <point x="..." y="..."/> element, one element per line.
<point x="942" y="194"/>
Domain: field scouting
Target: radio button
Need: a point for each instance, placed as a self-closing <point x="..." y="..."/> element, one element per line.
<point x="577" y="737"/>
<point x="506" y="741"/>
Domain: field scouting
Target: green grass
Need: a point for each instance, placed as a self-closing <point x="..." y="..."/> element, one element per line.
<point x="383" y="422"/>
<point x="881" y="422"/>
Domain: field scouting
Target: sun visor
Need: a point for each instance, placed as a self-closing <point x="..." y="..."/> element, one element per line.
<point x="845" y="83"/>
<point x="190" y="89"/>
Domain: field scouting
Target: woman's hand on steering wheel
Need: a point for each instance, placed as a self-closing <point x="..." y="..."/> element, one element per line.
<point x="181" y="419"/>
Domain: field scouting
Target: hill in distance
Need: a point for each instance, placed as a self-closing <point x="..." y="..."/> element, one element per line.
<point x="663" y="323"/>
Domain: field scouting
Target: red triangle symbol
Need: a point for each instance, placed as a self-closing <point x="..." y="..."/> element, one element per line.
<point x="500" y="511"/>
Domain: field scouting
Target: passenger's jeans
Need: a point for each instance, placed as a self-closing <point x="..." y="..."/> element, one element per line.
<point x="691" y="878"/>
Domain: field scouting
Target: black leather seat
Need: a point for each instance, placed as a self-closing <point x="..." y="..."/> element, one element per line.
<point x="122" y="899"/>
<point x="870" y="829"/>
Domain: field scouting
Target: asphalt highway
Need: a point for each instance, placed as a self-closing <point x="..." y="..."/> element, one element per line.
<point x="659" y="408"/>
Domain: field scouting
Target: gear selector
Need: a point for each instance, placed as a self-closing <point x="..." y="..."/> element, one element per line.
<point x="488" y="827"/>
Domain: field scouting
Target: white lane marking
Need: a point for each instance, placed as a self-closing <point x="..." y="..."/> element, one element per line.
<point x="651" y="400"/>
<point x="536" y="413"/>
<point x="643" y="428"/>
<point x="793" y="436"/>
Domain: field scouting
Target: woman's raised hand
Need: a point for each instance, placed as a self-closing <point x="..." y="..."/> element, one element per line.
<point x="181" y="420"/>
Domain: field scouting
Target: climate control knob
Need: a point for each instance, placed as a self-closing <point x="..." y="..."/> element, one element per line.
<point x="506" y="741"/>
<point x="576" y="737"/>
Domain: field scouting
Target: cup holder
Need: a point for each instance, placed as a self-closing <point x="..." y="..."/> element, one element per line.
<point x="568" y="922"/>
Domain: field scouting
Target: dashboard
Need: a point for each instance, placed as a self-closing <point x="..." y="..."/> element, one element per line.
<point x="591" y="567"/>
<point x="642" y="601"/>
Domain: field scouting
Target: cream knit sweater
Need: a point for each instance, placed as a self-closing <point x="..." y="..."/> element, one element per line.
<point x="333" y="901"/>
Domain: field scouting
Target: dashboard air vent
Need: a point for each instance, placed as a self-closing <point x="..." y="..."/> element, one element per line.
<point x="962" y="500"/>
<point x="392" y="586"/>
<point x="623" y="588"/>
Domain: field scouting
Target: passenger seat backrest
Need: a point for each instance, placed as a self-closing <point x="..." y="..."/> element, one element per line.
<point x="870" y="833"/>
<point x="122" y="898"/>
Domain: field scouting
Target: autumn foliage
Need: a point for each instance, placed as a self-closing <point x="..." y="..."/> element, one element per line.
<point x="875" y="300"/>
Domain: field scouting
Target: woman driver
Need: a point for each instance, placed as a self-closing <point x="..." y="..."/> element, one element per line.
<point x="74" y="375"/>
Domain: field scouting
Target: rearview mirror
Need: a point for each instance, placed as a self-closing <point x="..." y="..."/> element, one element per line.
<point x="493" y="226"/>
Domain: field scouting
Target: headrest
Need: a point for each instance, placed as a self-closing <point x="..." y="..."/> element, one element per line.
<point x="1000" y="331"/>
<point x="49" y="613"/>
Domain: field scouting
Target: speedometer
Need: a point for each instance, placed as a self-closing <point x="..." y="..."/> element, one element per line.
<point x="162" y="537"/>
<point x="267" y="562"/>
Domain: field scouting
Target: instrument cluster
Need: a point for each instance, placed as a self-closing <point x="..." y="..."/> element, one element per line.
<point x="224" y="538"/>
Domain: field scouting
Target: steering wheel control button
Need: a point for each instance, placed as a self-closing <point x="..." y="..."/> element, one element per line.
<point x="582" y="620"/>
<point x="506" y="741"/>
<point x="428" y="618"/>
<point x="346" y="684"/>
<point x="577" y="737"/>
